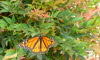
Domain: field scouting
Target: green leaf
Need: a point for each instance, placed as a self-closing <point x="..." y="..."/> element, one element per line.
<point x="97" y="22"/>
<point x="5" y="6"/>
<point x="10" y="52"/>
<point x="13" y="19"/>
<point x="54" y="15"/>
<point x="32" y="31"/>
<point x="47" y="25"/>
<point x="1" y="57"/>
<point x="3" y="24"/>
<point x="8" y="20"/>
<point x="2" y="50"/>
<point x="3" y="43"/>
<point x="88" y="23"/>
<point x="75" y="19"/>
<point x="24" y="27"/>
<point x="63" y="13"/>
<point x="10" y="27"/>
<point x="18" y="27"/>
<point x="3" y="10"/>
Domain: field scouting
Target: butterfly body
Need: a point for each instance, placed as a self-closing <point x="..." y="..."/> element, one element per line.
<point x="38" y="44"/>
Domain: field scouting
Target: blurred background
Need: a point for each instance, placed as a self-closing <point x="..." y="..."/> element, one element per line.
<point x="74" y="24"/>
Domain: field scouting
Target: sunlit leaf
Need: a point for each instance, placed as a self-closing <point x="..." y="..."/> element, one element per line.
<point x="3" y="24"/>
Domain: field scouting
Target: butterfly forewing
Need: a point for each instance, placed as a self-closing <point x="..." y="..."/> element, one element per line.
<point x="48" y="41"/>
<point x="22" y="44"/>
<point x="32" y="42"/>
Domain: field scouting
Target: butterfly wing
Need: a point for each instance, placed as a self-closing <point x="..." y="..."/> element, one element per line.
<point x="46" y="43"/>
<point x="38" y="44"/>
<point x="49" y="42"/>
<point x="39" y="47"/>
<point x="29" y="43"/>
<point x="22" y="44"/>
<point x="32" y="42"/>
<point x="43" y="45"/>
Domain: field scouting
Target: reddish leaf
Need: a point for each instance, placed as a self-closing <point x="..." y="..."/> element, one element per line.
<point x="90" y="13"/>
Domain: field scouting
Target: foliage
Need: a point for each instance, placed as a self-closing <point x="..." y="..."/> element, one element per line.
<point x="73" y="24"/>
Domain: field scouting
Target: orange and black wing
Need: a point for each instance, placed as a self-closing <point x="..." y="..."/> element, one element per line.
<point x="43" y="44"/>
<point x="39" y="47"/>
<point x="39" y="44"/>
<point x="30" y="43"/>
<point x="48" y="42"/>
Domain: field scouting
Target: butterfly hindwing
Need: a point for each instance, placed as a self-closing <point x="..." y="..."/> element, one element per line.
<point x="43" y="47"/>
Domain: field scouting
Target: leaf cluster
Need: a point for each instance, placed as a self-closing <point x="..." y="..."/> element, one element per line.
<point x="59" y="19"/>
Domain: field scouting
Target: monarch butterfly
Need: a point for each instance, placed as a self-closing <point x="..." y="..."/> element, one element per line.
<point x="38" y="44"/>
